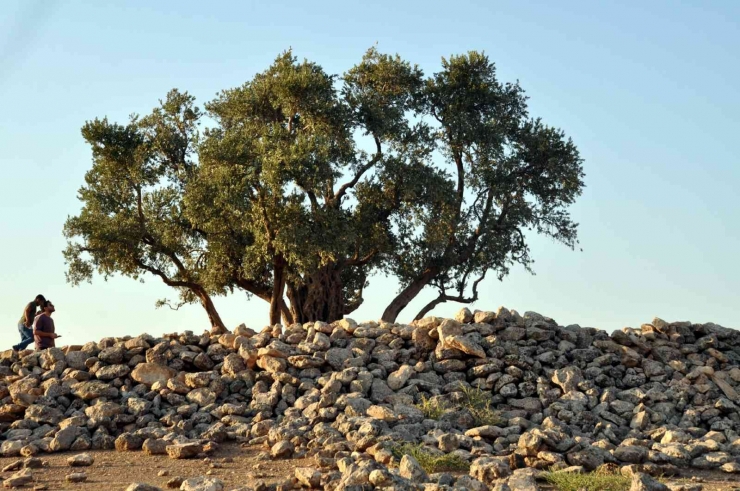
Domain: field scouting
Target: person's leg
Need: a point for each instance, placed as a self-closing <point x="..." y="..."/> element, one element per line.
<point x="26" y="337"/>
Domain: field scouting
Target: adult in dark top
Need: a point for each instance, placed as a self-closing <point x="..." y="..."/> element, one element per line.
<point x="43" y="328"/>
<point x="25" y="324"/>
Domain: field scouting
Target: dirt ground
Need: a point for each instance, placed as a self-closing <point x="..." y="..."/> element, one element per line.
<point x="114" y="471"/>
<point x="236" y="466"/>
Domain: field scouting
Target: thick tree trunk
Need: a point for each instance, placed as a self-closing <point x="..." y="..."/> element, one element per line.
<point x="278" y="286"/>
<point x="429" y="307"/>
<point x="319" y="298"/>
<point x="407" y="295"/>
<point x="265" y="293"/>
<point x="286" y="313"/>
<point x="207" y="303"/>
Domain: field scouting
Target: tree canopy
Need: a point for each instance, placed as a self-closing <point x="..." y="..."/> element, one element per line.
<point x="302" y="185"/>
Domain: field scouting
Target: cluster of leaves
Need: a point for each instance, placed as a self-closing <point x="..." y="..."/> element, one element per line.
<point x="430" y="460"/>
<point x="305" y="184"/>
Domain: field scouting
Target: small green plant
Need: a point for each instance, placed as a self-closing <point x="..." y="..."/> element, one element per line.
<point x="474" y="396"/>
<point x="603" y="479"/>
<point x="487" y="416"/>
<point x="478" y="402"/>
<point x="432" y="408"/>
<point x="430" y="462"/>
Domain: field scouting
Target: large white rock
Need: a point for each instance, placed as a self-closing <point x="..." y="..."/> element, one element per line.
<point x="148" y="373"/>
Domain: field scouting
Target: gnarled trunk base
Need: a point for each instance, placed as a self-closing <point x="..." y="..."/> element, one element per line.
<point x="319" y="298"/>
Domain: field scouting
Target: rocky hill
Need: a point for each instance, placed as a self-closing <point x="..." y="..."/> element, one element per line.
<point x="493" y="396"/>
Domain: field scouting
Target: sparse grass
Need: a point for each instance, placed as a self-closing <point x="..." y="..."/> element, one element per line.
<point x="603" y="479"/>
<point x="478" y="402"/>
<point x="432" y="408"/>
<point x="474" y="397"/>
<point x="475" y="400"/>
<point x="430" y="462"/>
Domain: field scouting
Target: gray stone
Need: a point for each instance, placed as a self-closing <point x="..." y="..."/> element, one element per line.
<point x="308" y="477"/>
<point x="63" y="439"/>
<point x="127" y="442"/>
<point x="138" y="486"/>
<point x="184" y="451"/>
<point x="202" y="484"/>
<point x="154" y="446"/>
<point x="81" y="460"/>
<point x="112" y="371"/>
<point x="643" y="482"/>
<point x="568" y="378"/>
<point x="412" y="470"/>
<point x="523" y="480"/>
<point x="631" y="454"/>
<point x="489" y="469"/>
<point x="76" y="477"/>
<point x="589" y="458"/>
<point x="282" y="449"/>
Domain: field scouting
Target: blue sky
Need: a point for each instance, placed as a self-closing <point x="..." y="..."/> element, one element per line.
<point x="647" y="90"/>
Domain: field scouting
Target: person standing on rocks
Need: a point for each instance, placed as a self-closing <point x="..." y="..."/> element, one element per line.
<point x="43" y="328"/>
<point x="25" y="324"/>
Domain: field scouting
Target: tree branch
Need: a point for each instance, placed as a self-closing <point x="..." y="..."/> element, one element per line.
<point x="166" y="279"/>
<point x="343" y="190"/>
<point x="361" y="261"/>
<point x="164" y="302"/>
<point x="443" y="297"/>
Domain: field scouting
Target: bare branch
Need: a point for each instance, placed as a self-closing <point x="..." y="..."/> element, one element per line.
<point x="345" y="187"/>
<point x="165" y="302"/>
<point x="443" y="297"/>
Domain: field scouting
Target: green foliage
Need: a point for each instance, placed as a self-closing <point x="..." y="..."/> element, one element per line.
<point x="510" y="174"/>
<point x="305" y="184"/>
<point x="478" y="402"/>
<point x="432" y="407"/>
<point x="430" y="461"/>
<point x="133" y="221"/>
<point x="475" y="400"/>
<point x="600" y="480"/>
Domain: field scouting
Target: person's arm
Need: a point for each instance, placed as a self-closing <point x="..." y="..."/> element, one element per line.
<point x="43" y="334"/>
<point x="29" y="315"/>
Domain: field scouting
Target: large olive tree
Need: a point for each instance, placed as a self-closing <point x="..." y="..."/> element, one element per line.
<point x="304" y="184"/>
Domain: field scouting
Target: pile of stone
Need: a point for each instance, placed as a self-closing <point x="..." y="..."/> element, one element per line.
<point x="651" y="400"/>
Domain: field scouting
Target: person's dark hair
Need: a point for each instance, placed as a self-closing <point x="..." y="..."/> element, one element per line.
<point x="47" y="303"/>
<point x="40" y="297"/>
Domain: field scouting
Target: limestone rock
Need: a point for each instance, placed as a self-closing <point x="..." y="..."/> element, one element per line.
<point x="308" y="477"/>
<point x="81" y="460"/>
<point x="282" y="449"/>
<point x="568" y="378"/>
<point x="183" y="451"/>
<point x="137" y="486"/>
<point x="76" y="477"/>
<point x="149" y="373"/>
<point x="488" y="469"/>
<point x="412" y="470"/>
<point x="202" y="484"/>
<point x="643" y="482"/>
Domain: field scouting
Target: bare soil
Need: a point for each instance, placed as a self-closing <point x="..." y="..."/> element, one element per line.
<point x="233" y="464"/>
<point x="113" y="471"/>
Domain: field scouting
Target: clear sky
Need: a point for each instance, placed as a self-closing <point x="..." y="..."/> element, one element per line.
<point x="647" y="90"/>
